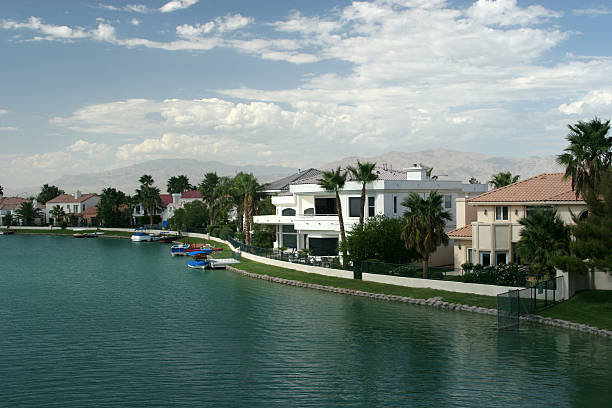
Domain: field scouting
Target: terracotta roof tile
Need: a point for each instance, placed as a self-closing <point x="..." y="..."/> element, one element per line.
<point x="69" y="199"/>
<point x="544" y="187"/>
<point x="11" y="203"/>
<point x="461" y="232"/>
<point x="383" y="174"/>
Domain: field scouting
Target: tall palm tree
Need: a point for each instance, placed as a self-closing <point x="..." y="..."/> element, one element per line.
<point x="27" y="213"/>
<point x="148" y="196"/>
<point x="503" y="179"/>
<point x="333" y="181"/>
<point x="48" y="193"/>
<point x="146" y="180"/>
<point x="543" y="237"/>
<point x="249" y="189"/>
<point x="364" y="173"/>
<point x="588" y="155"/>
<point x="58" y="214"/>
<point x="425" y="222"/>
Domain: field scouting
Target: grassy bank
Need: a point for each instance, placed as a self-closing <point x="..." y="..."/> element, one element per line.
<point x="592" y="307"/>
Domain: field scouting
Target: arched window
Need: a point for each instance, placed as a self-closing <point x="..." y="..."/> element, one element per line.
<point x="583" y="215"/>
<point x="288" y="212"/>
<point x="309" y="211"/>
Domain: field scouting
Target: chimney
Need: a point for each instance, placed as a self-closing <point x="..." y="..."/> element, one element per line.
<point x="77" y="195"/>
<point x="175" y="198"/>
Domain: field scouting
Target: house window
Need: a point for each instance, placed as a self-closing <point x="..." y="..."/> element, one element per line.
<point x="75" y="208"/>
<point x="371" y="206"/>
<point x="501" y="258"/>
<point x="309" y="211"/>
<point x="325" y="206"/>
<point x="394" y="204"/>
<point x="448" y="201"/>
<point x="485" y="258"/>
<point x="289" y="236"/>
<point x="470" y="255"/>
<point x="501" y="212"/>
<point x="354" y="206"/>
<point x="288" y="212"/>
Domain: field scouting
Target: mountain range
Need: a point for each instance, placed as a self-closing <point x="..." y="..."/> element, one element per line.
<point x="447" y="164"/>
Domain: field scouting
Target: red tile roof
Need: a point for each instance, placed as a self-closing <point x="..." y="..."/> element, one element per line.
<point x="11" y="203"/>
<point x="69" y="199"/>
<point x="463" y="232"/>
<point x="544" y="187"/>
<point x="167" y="198"/>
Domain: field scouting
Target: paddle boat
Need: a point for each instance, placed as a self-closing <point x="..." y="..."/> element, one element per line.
<point x="140" y="236"/>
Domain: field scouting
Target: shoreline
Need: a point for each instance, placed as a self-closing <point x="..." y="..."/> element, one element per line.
<point x="436" y="301"/>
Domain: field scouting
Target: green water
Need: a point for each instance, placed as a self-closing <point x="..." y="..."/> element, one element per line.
<point x="106" y="323"/>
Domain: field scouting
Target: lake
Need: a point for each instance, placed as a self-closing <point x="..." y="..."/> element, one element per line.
<point x="106" y="323"/>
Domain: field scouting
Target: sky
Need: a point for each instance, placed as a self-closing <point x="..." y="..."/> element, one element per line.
<point x="92" y="85"/>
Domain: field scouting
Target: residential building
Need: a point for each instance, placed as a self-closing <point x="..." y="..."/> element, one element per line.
<point x="306" y="215"/>
<point x="10" y="205"/>
<point x="172" y="202"/>
<point x="488" y="228"/>
<point x="73" y="203"/>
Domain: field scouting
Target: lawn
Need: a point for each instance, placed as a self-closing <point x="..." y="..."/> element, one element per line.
<point x="592" y="307"/>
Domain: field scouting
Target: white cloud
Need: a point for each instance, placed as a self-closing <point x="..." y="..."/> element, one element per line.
<point x="593" y="11"/>
<point x="176" y="5"/>
<point x="507" y="12"/>
<point x="96" y="150"/>
<point x="592" y="102"/>
<point x="51" y="32"/>
<point x="8" y="128"/>
<point x="135" y="22"/>
<point x="232" y="22"/>
<point x="3" y="111"/>
<point x="137" y="8"/>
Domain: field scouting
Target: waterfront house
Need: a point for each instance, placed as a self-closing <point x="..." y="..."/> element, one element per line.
<point x="172" y="202"/>
<point x="74" y="204"/>
<point x="488" y="226"/>
<point x="306" y="215"/>
<point x="10" y="205"/>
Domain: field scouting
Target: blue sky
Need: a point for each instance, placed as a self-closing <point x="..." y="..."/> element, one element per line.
<point x="93" y="85"/>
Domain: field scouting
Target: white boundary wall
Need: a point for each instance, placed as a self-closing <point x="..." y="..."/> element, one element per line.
<point x="451" y="286"/>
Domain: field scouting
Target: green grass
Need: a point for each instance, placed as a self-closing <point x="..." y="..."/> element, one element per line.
<point x="592" y="307"/>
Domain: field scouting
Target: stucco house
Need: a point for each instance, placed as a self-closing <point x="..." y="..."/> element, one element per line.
<point x="10" y="205"/>
<point x="488" y="226"/>
<point x="75" y="203"/>
<point x="306" y="215"/>
<point x="172" y="202"/>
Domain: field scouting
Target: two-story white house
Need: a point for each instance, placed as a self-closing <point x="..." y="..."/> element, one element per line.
<point x="306" y="215"/>
<point x="72" y="203"/>
<point x="488" y="226"/>
<point x="172" y="202"/>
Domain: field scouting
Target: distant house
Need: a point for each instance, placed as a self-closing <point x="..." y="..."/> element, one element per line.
<point x="75" y="204"/>
<point x="306" y="213"/>
<point x="169" y="204"/>
<point x="10" y="205"/>
<point x="488" y="224"/>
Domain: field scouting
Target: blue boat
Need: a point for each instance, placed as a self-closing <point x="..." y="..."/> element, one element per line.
<point x="200" y="258"/>
<point x="198" y="264"/>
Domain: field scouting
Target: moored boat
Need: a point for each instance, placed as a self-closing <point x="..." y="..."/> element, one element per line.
<point x="140" y="236"/>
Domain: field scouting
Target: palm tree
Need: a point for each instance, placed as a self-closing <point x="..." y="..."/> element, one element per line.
<point x="148" y="196"/>
<point x="502" y="179"/>
<point x="58" y="213"/>
<point x="543" y="237"/>
<point x="425" y="222"/>
<point x="588" y="155"/>
<point x="333" y="181"/>
<point x="178" y="184"/>
<point x="249" y="189"/>
<point x="1" y="191"/>
<point x="27" y="213"/>
<point x="48" y="193"/>
<point x="364" y="173"/>
<point x="8" y="220"/>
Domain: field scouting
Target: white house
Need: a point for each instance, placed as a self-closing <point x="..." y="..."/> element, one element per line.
<point x="172" y="202"/>
<point x="10" y="205"/>
<point x="306" y="215"/>
<point x="72" y="203"/>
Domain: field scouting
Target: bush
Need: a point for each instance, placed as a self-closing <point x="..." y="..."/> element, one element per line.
<point x="63" y="224"/>
<point x="510" y="274"/>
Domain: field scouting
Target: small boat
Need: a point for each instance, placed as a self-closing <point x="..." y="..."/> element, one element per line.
<point x="7" y="232"/>
<point x="200" y="259"/>
<point x="140" y="236"/>
<point x="179" y="249"/>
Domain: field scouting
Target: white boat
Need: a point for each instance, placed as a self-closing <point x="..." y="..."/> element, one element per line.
<point x="140" y="236"/>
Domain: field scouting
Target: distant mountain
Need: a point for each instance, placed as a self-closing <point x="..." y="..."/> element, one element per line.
<point x="455" y="165"/>
<point x="126" y="178"/>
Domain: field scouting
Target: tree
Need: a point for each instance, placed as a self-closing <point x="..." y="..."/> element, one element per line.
<point x="207" y="186"/>
<point x="333" y="181"/>
<point x="1" y="191"/>
<point x="113" y="210"/>
<point x="543" y="237"/>
<point x="364" y="173"/>
<point x="593" y="236"/>
<point x="249" y="190"/>
<point x="502" y="179"/>
<point x="148" y="196"/>
<point x="425" y="220"/>
<point x="179" y="184"/>
<point x="8" y="220"/>
<point x="27" y="213"/>
<point x="474" y="180"/>
<point x="192" y="215"/>
<point x="58" y="214"/>
<point x="48" y="193"/>
<point x="588" y="155"/>
<point x="380" y="238"/>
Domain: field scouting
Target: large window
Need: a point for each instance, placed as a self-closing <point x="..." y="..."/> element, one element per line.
<point x="470" y="255"/>
<point x="501" y="212"/>
<point x="485" y="258"/>
<point x="325" y="206"/>
<point x="354" y="206"/>
<point x="371" y="206"/>
<point x="501" y="258"/>
<point x="448" y="201"/>
<point x="323" y="246"/>
<point x="289" y="236"/>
